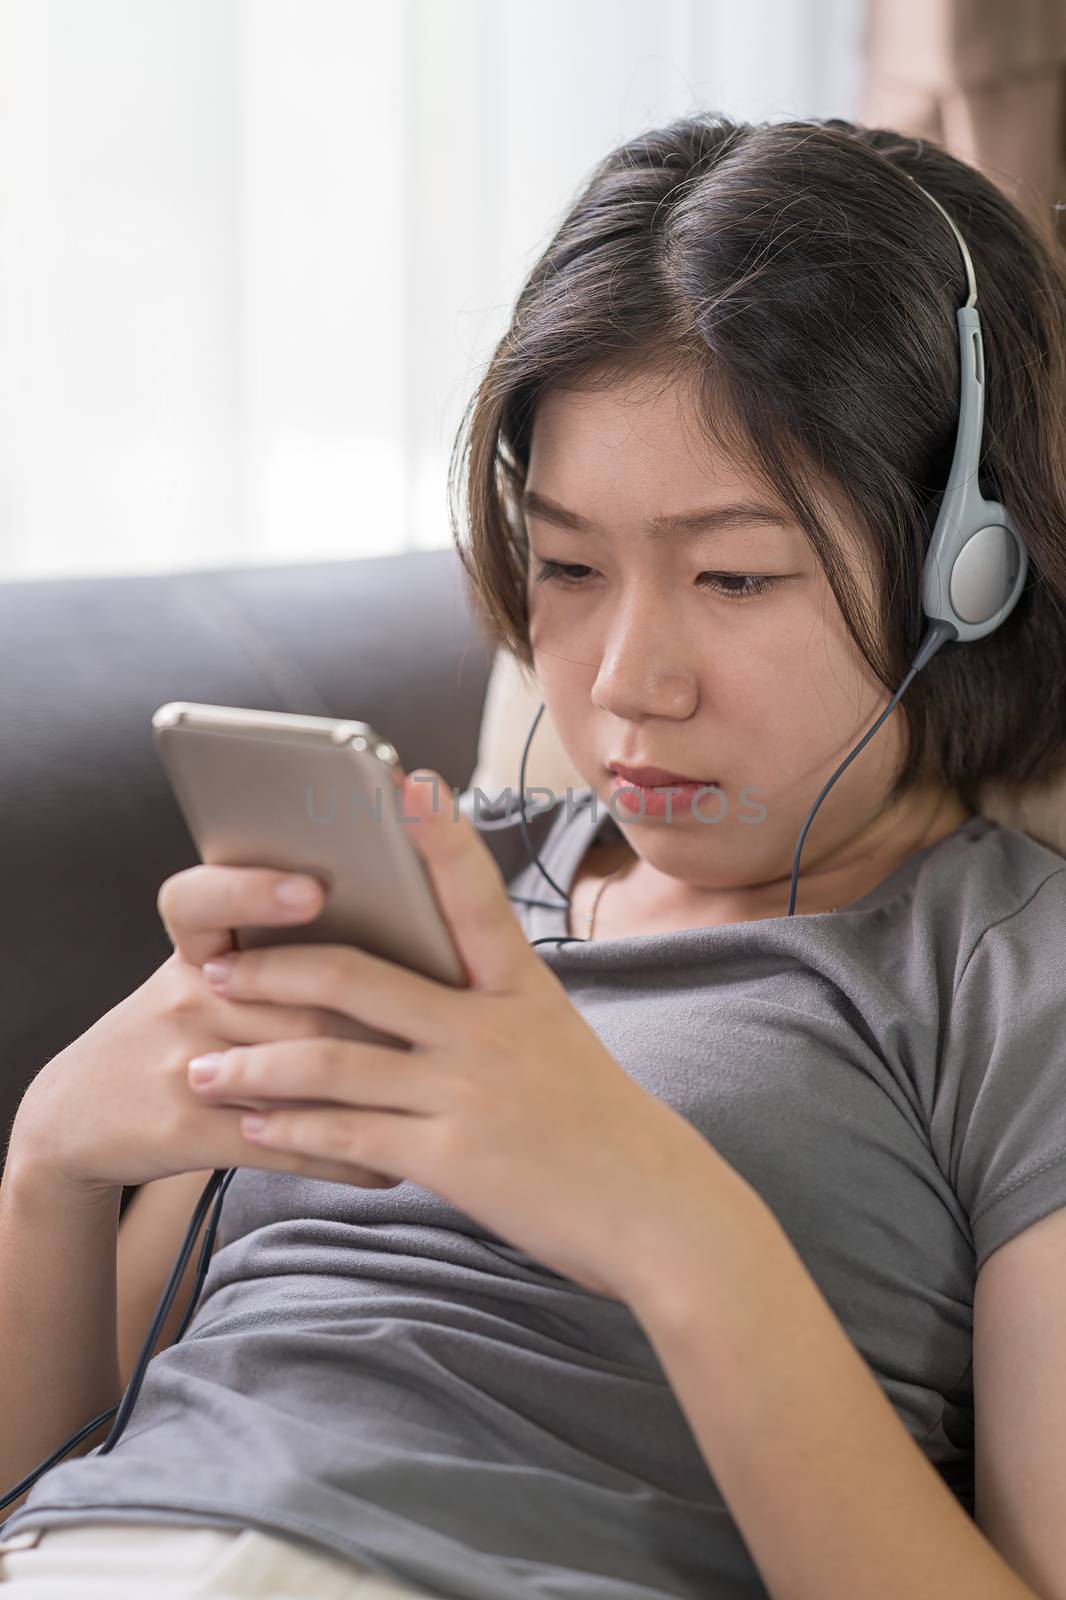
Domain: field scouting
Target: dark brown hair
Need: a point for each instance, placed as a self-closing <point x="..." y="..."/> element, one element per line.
<point x="809" y="289"/>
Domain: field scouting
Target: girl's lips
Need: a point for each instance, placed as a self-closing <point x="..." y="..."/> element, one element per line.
<point x="655" y="778"/>
<point x="670" y="800"/>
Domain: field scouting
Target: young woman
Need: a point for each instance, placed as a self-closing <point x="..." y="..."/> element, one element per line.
<point x="716" y="1251"/>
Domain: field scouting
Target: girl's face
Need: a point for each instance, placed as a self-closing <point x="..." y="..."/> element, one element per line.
<point x="645" y="655"/>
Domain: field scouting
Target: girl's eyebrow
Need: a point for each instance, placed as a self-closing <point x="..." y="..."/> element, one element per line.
<point x="682" y="524"/>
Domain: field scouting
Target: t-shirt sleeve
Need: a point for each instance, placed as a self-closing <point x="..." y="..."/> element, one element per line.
<point x="1000" y="1114"/>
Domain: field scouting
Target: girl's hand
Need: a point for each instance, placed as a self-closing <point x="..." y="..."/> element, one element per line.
<point x="505" y="1103"/>
<point x="115" y="1107"/>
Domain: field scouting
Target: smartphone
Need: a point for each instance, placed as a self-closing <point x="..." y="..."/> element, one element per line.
<point x="317" y="795"/>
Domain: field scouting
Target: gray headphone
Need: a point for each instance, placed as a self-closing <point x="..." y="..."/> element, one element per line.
<point x="977" y="562"/>
<point x="975" y="565"/>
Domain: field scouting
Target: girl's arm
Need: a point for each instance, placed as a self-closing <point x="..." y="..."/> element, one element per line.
<point x="79" y="1291"/>
<point x="149" y="1238"/>
<point x="58" y="1351"/>
<point x="832" y="1496"/>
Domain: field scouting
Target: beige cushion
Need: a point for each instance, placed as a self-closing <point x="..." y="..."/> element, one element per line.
<point x="511" y="704"/>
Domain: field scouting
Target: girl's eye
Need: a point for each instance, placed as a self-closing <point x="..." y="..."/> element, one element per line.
<point x="567" y="573"/>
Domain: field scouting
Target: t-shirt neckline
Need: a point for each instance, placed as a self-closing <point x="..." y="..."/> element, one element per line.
<point x="571" y="837"/>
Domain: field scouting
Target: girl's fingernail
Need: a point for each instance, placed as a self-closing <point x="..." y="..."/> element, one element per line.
<point x="203" y="1068"/>
<point x="254" y="1122"/>
<point x="296" y="891"/>
<point x="218" y="971"/>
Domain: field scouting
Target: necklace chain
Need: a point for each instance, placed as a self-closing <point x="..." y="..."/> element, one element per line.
<point x="600" y="887"/>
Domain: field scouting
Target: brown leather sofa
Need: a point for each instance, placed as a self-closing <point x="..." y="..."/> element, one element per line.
<point x="90" y="828"/>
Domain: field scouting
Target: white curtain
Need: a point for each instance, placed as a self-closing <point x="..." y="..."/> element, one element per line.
<point x="254" y="253"/>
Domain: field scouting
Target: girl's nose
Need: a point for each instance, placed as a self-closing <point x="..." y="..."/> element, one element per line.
<point x="644" y="677"/>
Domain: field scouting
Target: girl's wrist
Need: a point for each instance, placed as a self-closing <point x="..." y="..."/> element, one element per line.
<point x="716" y="1220"/>
<point x="37" y="1184"/>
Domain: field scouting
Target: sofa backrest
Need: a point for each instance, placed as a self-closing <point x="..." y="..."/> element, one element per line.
<point x="89" y="828"/>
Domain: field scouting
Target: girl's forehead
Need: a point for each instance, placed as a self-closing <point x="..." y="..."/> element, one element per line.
<point x="606" y="447"/>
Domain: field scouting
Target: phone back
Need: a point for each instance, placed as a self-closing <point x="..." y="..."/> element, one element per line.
<point x="309" y="794"/>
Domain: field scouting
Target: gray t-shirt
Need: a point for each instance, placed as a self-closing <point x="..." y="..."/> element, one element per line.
<point x="370" y="1370"/>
